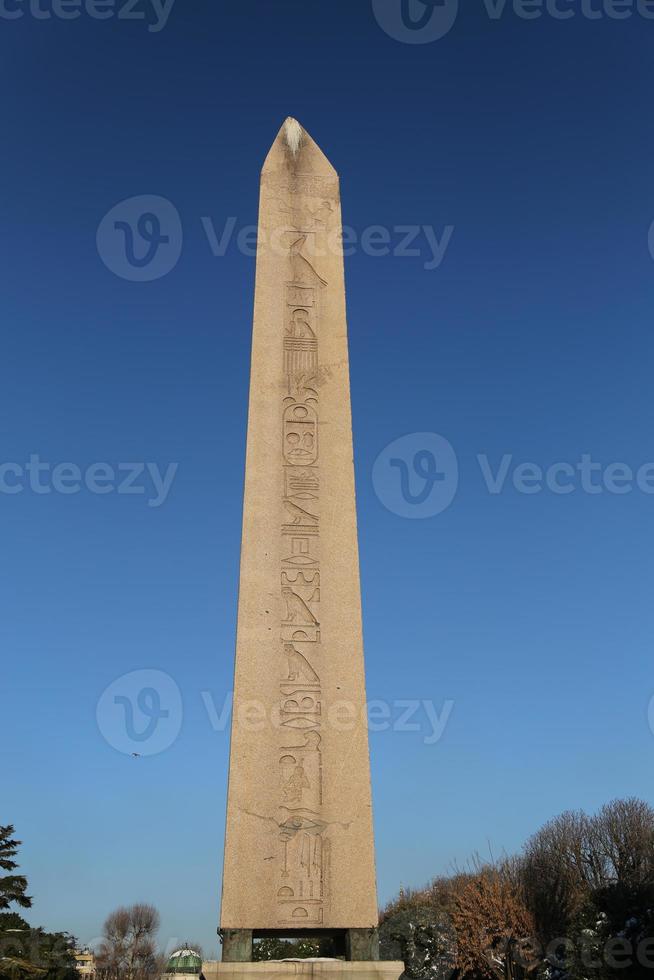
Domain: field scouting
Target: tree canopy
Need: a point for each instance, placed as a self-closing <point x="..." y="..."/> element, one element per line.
<point x="12" y="887"/>
<point x="576" y="904"/>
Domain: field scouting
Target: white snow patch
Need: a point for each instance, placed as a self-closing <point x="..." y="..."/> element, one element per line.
<point x="293" y="132"/>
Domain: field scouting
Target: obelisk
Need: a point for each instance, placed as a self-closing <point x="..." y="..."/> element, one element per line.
<point x="299" y="856"/>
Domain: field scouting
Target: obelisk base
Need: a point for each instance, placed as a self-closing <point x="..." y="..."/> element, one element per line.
<point x="359" y="945"/>
<point x="303" y="970"/>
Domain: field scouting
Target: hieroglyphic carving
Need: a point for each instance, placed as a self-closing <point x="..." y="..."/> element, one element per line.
<point x="306" y="215"/>
<point x="322" y="192"/>
<point x="303" y="271"/>
<point x="299" y="667"/>
<point x="300" y="433"/>
<point x="304" y="847"/>
<point x="300" y="344"/>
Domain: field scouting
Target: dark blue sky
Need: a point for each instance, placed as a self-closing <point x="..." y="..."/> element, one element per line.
<point x="532" y="613"/>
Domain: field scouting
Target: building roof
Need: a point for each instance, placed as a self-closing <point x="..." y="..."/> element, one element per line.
<point x="184" y="961"/>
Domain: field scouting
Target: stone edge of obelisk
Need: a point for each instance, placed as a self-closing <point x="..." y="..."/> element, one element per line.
<point x="295" y="151"/>
<point x="304" y="970"/>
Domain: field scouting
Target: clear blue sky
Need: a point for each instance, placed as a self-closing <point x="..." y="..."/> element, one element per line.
<point x="533" y="337"/>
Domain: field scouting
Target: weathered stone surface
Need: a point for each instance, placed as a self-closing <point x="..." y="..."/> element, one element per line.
<point x="302" y="970"/>
<point x="299" y="843"/>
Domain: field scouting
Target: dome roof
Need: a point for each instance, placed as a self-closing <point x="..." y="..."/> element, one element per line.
<point x="184" y="961"/>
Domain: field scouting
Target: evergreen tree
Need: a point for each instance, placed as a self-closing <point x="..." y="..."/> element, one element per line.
<point x="12" y="887"/>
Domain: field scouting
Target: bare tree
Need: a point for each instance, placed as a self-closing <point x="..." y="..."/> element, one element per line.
<point x="622" y="836"/>
<point x="560" y="868"/>
<point x="128" y="950"/>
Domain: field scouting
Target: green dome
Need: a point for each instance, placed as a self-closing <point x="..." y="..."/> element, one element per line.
<point x="184" y="961"/>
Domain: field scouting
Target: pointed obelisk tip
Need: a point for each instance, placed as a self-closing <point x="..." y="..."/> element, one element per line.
<point x="295" y="151"/>
<point x="293" y="134"/>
